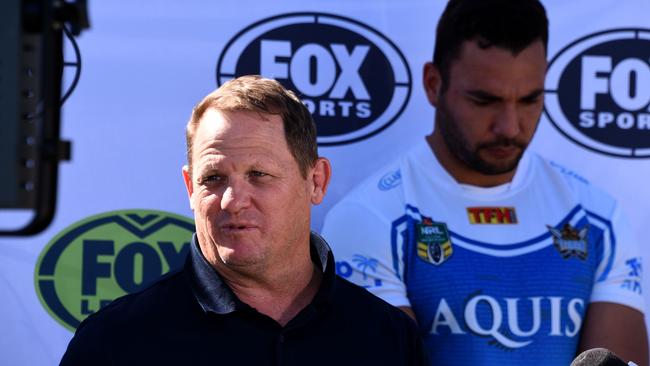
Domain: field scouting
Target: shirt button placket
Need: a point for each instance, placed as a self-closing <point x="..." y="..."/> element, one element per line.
<point x="278" y="347"/>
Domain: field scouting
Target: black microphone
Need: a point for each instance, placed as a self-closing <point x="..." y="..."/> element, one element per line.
<point x="599" y="357"/>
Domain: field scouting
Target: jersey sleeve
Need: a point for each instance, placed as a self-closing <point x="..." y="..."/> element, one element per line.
<point x="619" y="275"/>
<point x="360" y="238"/>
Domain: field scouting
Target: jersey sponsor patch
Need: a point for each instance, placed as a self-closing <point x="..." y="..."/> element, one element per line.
<point x="492" y="215"/>
<point x="434" y="243"/>
<point x="509" y="323"/>
<point x="570" y="241"/>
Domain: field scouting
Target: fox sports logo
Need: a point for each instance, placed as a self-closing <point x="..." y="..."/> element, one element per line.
<point x="598" y="92"/>
<point x="353" y="79"/>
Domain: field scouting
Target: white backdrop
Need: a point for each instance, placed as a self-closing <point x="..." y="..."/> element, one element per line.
<point x="146" y="63"/>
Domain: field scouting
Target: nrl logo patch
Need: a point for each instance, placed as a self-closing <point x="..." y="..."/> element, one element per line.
<point x="570" y="241"/>
<point x="434" y="244"/>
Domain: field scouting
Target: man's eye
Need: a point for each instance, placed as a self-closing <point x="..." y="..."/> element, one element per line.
<point x="257" y="174"/>
<point x="211" y="179"/>
<point x="530" y="101"/>
<point x="482" y="101"/>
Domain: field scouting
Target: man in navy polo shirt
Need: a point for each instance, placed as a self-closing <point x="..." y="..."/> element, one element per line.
<point x="258" y="287"/>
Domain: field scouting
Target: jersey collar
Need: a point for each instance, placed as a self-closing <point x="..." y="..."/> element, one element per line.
<point x="429" y="164"/>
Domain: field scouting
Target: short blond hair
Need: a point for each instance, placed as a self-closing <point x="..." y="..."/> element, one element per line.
<point x="254" y="93"/>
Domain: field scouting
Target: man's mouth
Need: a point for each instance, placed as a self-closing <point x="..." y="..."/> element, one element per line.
<point x="234" y="228"/>
<point x="503" y="151"/>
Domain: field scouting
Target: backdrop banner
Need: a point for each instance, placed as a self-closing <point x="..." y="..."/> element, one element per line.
<point x="123" y="216"/>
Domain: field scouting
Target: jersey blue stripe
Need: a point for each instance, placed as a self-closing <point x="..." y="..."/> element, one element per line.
<point x="612" y="238"/>
<point x="412" y="208"/>
<point x="393" y="243"/>
<point x="522" y="244"/>
<point x="501" y="246"/>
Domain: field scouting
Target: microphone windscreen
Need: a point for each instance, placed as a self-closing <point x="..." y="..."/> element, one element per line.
<point x="598" y="357"/>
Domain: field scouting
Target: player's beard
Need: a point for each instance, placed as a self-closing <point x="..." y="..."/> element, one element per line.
<point x="469" y="155"/>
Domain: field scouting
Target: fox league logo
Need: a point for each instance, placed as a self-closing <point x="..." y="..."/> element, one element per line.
<point x="100" y="258"/>
<point x="598" y="92"/>
<point x="353" y="79"/>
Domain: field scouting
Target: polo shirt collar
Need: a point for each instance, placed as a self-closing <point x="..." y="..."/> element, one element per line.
<point x="214" y="295"/>
<point x="210" y="290"/>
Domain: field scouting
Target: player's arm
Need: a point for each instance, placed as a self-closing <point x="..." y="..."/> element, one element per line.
<point x="360" y="238"/>
<point x="618" y="328"/>
<point x="614" y="318"/>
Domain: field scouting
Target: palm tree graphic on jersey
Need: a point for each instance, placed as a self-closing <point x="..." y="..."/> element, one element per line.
<point x="364" y="263"/>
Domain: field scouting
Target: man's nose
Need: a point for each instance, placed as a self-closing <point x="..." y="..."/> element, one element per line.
<point x="507" y="123"/>
<point x="235" y="197"/>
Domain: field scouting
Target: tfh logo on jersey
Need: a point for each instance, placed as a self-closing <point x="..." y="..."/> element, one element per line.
<point x="598" y="92"/>
<point x="503" y="319"/>
<point x="94" y="261"/>
<point x="492" y="215"/>
<point x="434" y="243"/>
<point x="352" y="78"/>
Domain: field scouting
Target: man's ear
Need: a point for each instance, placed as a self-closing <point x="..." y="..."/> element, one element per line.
<point x="187" y="178"/>
<point x="432" y="82"/>
<point x="320" y="178"/>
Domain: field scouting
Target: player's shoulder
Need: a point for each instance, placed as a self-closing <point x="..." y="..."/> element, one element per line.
<point x="381" y="192"/>
<point x="589" y="195"/>
<point x="384" y="182"/>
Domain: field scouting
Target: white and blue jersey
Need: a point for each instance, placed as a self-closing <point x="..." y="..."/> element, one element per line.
<point x="495" y="276"/>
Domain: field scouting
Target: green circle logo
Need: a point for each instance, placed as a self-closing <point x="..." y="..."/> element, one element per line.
<point x="100" y="258"/>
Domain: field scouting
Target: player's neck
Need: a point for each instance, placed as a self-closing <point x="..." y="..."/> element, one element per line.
<point x="459" y="170"/>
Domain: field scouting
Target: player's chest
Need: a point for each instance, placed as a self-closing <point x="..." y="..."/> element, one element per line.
<point x="521" y="242"/>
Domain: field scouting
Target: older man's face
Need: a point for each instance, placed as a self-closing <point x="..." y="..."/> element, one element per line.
<point x="250" y="202"/>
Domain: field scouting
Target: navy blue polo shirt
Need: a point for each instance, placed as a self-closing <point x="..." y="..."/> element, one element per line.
<point x="191" y="317"/>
